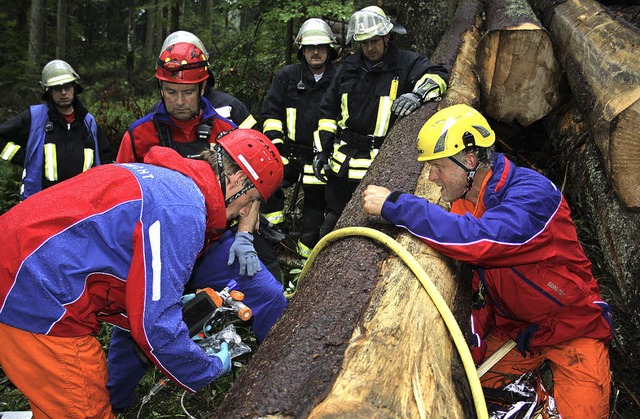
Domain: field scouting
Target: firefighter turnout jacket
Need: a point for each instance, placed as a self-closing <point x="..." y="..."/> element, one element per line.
<point x="49" y="148"/>
<point x="290" y="112"/>
<point x="355" y="113"/>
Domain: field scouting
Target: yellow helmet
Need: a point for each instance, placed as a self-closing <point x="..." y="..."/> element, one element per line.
<point x="451" y="130"/>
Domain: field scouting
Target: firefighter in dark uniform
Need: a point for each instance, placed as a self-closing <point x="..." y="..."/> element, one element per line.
<point x="372" y="88"/>
<point x="290" y="113"/>
<point x="56" y="140"/>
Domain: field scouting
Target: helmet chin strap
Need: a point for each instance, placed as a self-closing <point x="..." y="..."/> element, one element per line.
<point x="471" y="173"/>
<point x="222" y="178"/>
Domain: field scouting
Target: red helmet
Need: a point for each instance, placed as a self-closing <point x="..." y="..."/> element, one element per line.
<point x="182" y="63"/>
<point x="257" y="157"/>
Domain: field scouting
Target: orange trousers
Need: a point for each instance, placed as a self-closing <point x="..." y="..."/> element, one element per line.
<point x="62" y="377"/>
<point x="581" y="376"/>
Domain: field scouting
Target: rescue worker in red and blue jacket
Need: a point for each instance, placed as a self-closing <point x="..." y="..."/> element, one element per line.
<point x="372" y="88"/>
<point x="290" y="112"/>
<point x="532" y="280"/>
<point x="56" y="140"/>
<point x="121" y="250"/>
<point x="187" y="122"/>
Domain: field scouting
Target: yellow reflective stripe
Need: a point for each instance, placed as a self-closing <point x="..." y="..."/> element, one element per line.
<point x="309" y="178"/>
<point x="277" y="141"/>
<point x="344" y="106"/>
<point x="384" y="116"/>
<point x="272" y="125"/>
<point x="357" y="167"/>
<point x="317" y="145"/>
<point x="276" y="217"/>
<point x="393" y="93"/>
<point x="9" y="151"/>
<point x="291" y="123"/>
<point x="285" y="161"/>
<point x="249" y="122"/>
<point x="433" y="77"/>
<point x="312" y="180"/>
<point x="50" y="162"/>
<point x="304" y="251"/>
<point x="324" y="124"/>
<point x="88" y="159"/>
<point x="328" y="125"/>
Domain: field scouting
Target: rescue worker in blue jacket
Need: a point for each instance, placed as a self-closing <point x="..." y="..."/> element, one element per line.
<point x="56" y="140"/>
<point x="372" y="88"/>
<point x="290" y="113"/>
<point x="225" y="112"/>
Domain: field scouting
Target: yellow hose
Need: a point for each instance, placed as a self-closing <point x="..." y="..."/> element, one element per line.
<point x="434" y="294"/>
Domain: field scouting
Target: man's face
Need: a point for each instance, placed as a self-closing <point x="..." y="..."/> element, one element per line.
<point x="181" y="100"/>
<point x="62" y="95"/>
<point x="374" y="48"/>
<point x="450" y="177"/>
<point x="242" y="205"/>
<point x="316" y="56"/>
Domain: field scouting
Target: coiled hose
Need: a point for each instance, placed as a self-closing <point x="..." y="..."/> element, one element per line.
<point x="434" y="294"/>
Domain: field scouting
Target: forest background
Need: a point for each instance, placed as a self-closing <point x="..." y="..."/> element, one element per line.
<point x="113" y="45"/>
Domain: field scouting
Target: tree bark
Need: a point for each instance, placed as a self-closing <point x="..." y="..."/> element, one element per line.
<point x="517" y="67"/>
<point x="360" y="339"/>
<point x="590" y="194"/>
<point x="602" y="64"/>
<point x="150" y="46"/>
<point x="61" y="45"/>
<point x="36" y="32"/>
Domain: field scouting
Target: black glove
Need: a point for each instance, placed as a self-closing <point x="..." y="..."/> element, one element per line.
<point x="524" y="339"/>
<point x="406" y="103"/>
<point x="320" y="165"/>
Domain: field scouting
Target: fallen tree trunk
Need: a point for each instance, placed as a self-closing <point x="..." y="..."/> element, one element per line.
<point x="590" y="194"/>
<point x="358" y="340"/>
<point x="601" y="60"/>
<point x="517" y="67"/>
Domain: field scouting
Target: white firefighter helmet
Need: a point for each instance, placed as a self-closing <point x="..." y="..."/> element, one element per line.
<point x="369" y="22"/>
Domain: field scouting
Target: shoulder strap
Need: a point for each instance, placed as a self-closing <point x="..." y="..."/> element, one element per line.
<point x="164" y="134"/>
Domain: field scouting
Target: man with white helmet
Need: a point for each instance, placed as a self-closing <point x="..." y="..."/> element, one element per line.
<point x="290" y="113"/>
<point x="372" y="88"/>
<point x="56" y="140"/>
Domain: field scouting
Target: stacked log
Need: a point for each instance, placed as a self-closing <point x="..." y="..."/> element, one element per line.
<point x="361" y="338"/>
<point x="600" y="57"/>
<point x="516" y="64"/>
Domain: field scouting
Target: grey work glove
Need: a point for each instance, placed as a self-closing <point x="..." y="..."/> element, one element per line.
<point x="406" y="103"/>
<point x="242" y="248"/>
<point x="320" y="163"/>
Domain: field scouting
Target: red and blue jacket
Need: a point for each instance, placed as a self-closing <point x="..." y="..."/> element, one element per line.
<point x="120" y="249"/>
<point x="534" y="278"/>
<point x="158" y="128"/>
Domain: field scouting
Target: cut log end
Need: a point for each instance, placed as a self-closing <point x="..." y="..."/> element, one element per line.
<point x="519" y="75"/>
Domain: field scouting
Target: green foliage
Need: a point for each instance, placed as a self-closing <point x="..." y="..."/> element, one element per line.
<point x="9" y="185"/>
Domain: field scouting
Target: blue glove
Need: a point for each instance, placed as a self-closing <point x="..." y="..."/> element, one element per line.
<point x="187" y="297"/>
<point x="242" y="248"/>
<point x="223" y="356"/>
<point x="524" y="339"/>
